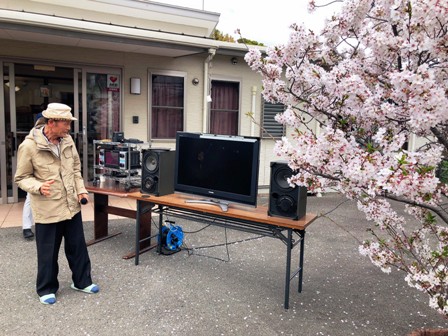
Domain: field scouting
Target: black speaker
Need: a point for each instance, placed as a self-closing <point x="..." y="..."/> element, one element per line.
<point x="158" y="171"/>
<point x="284" y="200"/>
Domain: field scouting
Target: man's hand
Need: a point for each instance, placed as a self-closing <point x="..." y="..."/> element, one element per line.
<point x="83" y="198"/>
<point x="45" y="189"/>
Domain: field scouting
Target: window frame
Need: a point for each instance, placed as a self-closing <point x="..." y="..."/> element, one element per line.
<point x="209" y="110"/>
<point x="167" y="73"/>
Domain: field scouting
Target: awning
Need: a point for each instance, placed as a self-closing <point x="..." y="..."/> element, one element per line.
<point x="42" y="28"/>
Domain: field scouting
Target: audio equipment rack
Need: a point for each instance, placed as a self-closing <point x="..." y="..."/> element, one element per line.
<point x="118" y="161"/>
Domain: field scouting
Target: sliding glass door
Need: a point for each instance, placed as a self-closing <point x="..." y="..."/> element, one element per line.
<point x="5" y="132"/>
<point x="102" y="106"/>
<point x="93" y="94"/>
<point x="26" y="91"/>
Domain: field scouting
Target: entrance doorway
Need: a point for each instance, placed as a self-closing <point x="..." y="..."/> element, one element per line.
<point x="27" y="90"/>
<point x="94" y="96"/>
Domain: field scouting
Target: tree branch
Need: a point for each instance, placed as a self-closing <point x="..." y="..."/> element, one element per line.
<point x="440" y="137"/>
<point x="437" y="211"/>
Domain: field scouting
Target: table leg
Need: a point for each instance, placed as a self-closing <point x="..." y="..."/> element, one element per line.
<point x="159" y="245"/>
<point x="288" y="268"/>
<point x="142" y="231"/>
<point x="302" y="247"/>
<point x="137" y="232"/>
<point x="100" y="219"/>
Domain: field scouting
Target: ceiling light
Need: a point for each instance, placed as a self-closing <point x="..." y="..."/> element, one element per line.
<point x="44" y="68"/>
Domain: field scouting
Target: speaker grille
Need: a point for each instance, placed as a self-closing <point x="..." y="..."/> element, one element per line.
<point x="149" y="184"/>
<point x="281" y="177"/>
<point x="151" y="163"/>
<point x="285" y="204"/>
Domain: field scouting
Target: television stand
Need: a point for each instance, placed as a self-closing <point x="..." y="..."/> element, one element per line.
<point x="223" y="205"/>
<point x="242" y="218"/>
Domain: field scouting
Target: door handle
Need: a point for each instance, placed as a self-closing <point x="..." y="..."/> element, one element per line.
<point x="13" y="143"/>
<point x="78" y="142"/>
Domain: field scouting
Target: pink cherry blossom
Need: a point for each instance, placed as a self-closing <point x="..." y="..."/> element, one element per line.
<point x="372" y="80"/>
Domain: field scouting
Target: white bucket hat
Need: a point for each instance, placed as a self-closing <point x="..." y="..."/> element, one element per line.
<point x="58" y="111"/>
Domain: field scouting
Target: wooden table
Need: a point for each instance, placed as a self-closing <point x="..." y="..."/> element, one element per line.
<point x="238" y="217"/>
<point x="102" y="209"/>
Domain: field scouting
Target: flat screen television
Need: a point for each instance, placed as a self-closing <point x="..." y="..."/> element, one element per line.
<point x="221" y="167"/>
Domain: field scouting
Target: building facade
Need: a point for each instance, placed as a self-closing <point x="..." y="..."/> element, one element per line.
<point x="140" y="67"/>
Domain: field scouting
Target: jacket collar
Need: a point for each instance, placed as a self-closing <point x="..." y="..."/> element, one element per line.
<point x="42" y="142"/>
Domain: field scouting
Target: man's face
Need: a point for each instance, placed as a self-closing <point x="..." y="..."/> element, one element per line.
<point x="61" y="128"/>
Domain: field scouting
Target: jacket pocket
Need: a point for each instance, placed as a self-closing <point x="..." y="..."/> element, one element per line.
<point x="68" y="154"/>
<point x="42" y="165"/>
<point x="55" y="191"/>
<point x="50" y="211"/>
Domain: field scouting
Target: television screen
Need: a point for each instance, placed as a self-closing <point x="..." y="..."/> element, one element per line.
<point x="218" y="166"/>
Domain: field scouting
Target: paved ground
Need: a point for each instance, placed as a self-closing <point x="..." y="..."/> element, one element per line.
<point x="204" y="293"/>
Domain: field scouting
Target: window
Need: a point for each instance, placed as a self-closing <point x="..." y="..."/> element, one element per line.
<point x="272" y="128"/>
<point x="224" y="110"/>
<point x="167" y="108"/>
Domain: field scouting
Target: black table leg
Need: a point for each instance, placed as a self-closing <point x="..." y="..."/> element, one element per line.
<point x="159" y="245"/>
<point x="143" y="235"/>
<point x="100" y="219"/>
<point x="137" y="231"/>
<point x="302" y="247"/>
<point x="288" y="268"/>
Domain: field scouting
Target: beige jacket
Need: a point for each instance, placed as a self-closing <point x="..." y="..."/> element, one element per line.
<point x="36" y="164"/>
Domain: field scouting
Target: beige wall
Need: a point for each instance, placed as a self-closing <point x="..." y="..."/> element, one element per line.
<point x="140" y="65"/>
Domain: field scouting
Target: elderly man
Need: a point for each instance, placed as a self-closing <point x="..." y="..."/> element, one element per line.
<point x="49" y="169"/>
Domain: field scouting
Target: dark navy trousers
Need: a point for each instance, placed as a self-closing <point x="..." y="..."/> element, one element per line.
<point x="48" y="241"/>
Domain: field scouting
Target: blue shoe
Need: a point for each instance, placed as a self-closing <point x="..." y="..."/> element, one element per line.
<point x="48" y="299"/>
<point x="92" y="289"/>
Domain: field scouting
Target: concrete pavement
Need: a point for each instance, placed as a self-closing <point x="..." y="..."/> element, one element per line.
<point x="233" y="289"/>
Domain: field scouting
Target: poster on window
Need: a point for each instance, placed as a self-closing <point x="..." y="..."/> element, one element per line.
<point x="113" y="83"/>
<point x="45" y="91"/>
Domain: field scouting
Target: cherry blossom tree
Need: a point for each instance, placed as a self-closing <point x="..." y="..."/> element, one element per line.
<point x="375" y="78"/>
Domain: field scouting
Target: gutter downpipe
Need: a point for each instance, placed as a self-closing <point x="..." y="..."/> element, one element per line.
<point x="252" y="122"/>
<point x="206" y="94"/>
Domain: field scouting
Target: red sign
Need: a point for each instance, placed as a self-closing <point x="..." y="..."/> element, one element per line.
<point x="113" y="83"/>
